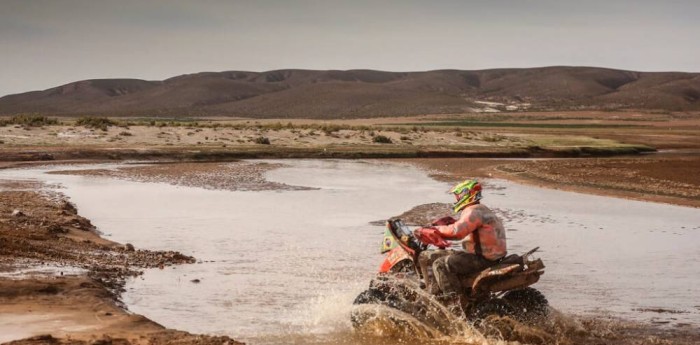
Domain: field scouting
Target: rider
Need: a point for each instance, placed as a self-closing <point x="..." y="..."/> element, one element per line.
<point x="485" y="243"/>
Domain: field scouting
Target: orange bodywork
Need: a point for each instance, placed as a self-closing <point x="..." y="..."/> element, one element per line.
<point x="394" y="256"/>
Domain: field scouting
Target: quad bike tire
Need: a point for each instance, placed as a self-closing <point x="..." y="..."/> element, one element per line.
<point x="426" y="310"/>
<point x="486" y="316"/>
<point x="371" y="296"/>
<point x="491" y="307"/>
<point x="528" y="303"/>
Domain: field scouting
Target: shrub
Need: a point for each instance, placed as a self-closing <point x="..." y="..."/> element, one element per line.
<point x="262" y="140"/>
<point x="381" y="139"/>
<point x="405" y="138"/>
<point x="95" y="122"/>
<point x="330" y="129"/>
<point x="125" y="134"/>
<point x="29" y="121"/>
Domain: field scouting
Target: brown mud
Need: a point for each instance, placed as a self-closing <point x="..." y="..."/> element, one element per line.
<point x="667" y="178"/>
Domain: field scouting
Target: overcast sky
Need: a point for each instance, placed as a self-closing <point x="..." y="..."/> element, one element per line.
<point x="53" y="42"/>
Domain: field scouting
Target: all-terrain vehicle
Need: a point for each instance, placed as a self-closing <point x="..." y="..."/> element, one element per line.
<point x="502" y="289"/>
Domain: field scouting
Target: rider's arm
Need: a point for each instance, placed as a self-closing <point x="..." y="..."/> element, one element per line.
<point x="468" y="221"/>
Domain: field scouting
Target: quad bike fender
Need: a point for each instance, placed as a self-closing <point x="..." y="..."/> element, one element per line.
<point x="496" y="271"/>
<point x="516" y="281"/>
<point x="508" y="277"/>
<point x="393" y="258"/>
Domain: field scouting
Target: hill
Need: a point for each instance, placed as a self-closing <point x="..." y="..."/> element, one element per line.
<point x="365" y="93"/>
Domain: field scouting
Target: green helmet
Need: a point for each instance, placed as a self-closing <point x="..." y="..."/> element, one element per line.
<point x="466" y="193"/>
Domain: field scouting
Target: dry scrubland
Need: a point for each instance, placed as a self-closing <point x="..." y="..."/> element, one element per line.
<point x="222" y="134"/>
<point x="458" y="135"/>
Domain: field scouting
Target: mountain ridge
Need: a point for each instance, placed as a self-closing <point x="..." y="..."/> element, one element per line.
<point x="301" y="93"/>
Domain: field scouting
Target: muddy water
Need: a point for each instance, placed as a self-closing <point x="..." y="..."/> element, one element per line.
<point x="605" y="255"/>
<point x="284" y="266"/>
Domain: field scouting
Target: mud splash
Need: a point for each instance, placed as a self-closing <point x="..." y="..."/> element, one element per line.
<point x="412" y="315"/>
<point x="381" y="322"/>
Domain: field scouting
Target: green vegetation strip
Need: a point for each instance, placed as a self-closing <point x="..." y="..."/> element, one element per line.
<point x="189" y="153"/>
<point x="516" y="125"/>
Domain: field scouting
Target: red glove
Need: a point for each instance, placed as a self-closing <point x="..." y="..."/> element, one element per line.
<point x="431" y="236"/>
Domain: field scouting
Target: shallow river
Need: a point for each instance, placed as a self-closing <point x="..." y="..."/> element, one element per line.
<point x="284" y="266"/>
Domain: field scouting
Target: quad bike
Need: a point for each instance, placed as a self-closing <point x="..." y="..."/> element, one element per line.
<point x="502" y="289"/>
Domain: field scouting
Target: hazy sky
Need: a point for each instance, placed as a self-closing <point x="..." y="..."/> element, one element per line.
<point x="52" y="42"/>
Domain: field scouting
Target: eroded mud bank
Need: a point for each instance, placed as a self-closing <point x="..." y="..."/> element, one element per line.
<point x="59" y="277"/>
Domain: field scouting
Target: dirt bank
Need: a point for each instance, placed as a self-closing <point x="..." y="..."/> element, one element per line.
<point x="668" y="178"/>
<point x="59" y="277"/>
